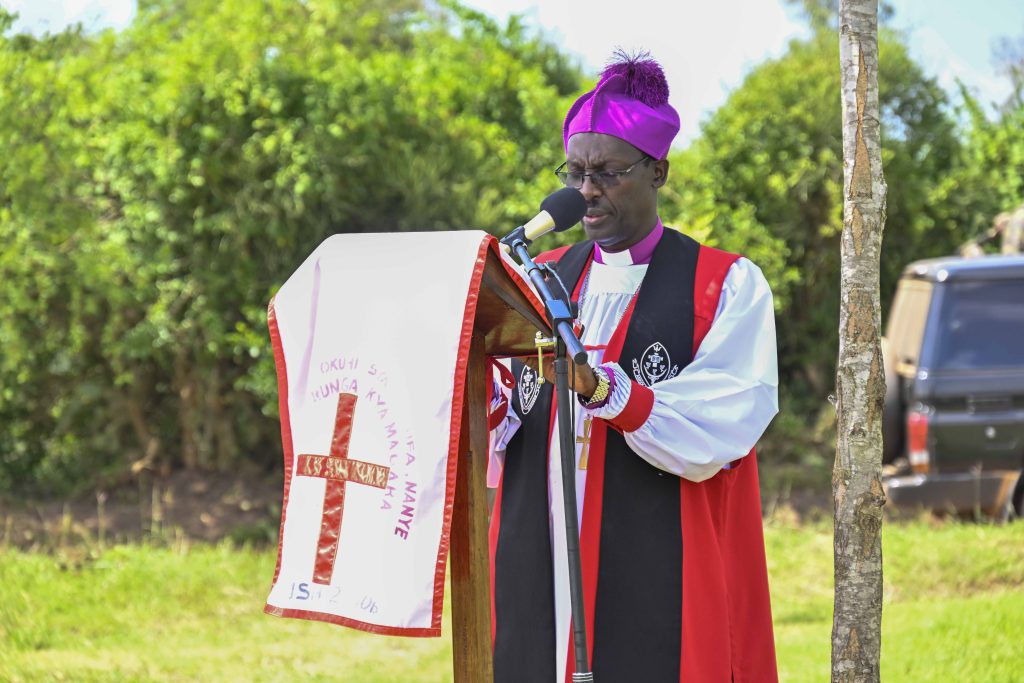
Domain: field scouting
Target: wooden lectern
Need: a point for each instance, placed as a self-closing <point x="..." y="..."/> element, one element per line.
<point x="488" y="309"/>
<point x="507" y="320"/>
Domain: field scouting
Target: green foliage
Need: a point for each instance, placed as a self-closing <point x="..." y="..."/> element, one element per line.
<point x="989" y="177"/>
<point x="765" y="179"/>
<point x="1009" y="57"/>
<point x="156" y="185"/>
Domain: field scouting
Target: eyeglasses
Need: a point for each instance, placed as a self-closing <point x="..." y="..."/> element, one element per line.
<point x="575" y="179"/>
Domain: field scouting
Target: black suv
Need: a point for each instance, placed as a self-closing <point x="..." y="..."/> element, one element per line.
<point x="953" y="425"/>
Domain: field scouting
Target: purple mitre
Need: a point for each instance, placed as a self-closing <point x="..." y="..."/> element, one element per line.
<point x="630" y="102"/>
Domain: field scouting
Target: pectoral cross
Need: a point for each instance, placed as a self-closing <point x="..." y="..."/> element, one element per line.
<point x="585" y="440"/>
<point x="337" y="469"/>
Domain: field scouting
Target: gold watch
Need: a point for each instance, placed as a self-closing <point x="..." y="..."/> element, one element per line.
<point x="604" y="382"/>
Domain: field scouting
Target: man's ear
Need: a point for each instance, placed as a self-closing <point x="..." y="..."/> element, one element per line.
<point x="660" y="172"/>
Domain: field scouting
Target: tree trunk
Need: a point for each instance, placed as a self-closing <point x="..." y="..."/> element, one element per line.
<point x="185" y="386"/>
<point x="860" y="379"/>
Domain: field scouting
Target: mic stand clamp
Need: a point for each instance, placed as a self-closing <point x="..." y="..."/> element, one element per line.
<point x="561" y="315"/>
<point x="542" y="343"/>
<point x="517" y="235"/>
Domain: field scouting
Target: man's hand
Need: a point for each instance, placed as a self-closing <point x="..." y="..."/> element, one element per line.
<point x="586" y="382"/>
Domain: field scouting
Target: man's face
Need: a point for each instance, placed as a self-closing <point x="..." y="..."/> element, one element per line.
<point x="623" y="212"/>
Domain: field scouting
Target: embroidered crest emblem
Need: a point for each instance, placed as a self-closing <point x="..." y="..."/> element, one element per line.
<point x="654" y="365"/>
<point x="529" y="389"/>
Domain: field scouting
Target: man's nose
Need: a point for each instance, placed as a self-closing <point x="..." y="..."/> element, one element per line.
<point x="589" y="189"/>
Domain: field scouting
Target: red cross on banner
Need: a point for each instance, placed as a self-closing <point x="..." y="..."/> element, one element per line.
<point x="337" y="469"/>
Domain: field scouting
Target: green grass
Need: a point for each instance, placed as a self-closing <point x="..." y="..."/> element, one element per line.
<point x="953" y="602"/>
<point x="953" y="612"/>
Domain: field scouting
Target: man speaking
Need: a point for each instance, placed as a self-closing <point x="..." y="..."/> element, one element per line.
<point x="681" y="383"/>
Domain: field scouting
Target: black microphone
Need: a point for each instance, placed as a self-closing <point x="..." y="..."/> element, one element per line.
<point x="559" y="211"/>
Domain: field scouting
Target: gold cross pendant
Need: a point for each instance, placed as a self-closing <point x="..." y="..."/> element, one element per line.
<point x="585" y="440"/>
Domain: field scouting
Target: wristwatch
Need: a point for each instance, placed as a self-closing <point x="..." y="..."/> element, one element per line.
<point x="604" y="383"/>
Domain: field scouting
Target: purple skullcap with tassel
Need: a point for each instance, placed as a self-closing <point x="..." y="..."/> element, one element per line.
<point x="630" y="102"/>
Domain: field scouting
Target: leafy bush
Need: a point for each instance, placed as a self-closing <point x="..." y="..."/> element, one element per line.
<point x="157" y="184"/>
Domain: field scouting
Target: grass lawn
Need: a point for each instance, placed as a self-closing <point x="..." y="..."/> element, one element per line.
<point x="954" y="602"/>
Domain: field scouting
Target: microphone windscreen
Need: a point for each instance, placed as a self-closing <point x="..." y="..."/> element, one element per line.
<point x="567" y="207"/>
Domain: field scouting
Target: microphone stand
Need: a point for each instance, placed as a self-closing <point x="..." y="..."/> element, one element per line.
<point x="567" y="345"/>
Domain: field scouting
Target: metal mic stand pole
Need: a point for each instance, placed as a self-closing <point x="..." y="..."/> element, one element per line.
<point x="566" y="345"/>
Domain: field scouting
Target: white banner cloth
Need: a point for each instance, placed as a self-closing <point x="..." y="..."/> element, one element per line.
<point x="368" y="335"/>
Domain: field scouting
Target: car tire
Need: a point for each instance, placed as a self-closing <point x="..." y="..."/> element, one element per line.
<point x="1007" y="514"/>
<point x="1017" y="500"/>
<point x="1011" y="510"/>
<point x="892" y="410"/>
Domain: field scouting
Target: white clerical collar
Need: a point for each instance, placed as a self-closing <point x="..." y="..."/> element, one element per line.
<point x="638" y="254"/>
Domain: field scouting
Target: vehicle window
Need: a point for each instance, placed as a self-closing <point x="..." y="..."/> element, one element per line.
<point x="982" y="325"/>
<point x="906" y="320"/>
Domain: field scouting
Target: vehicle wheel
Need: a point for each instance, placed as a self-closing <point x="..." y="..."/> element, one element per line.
<point x="1018" y="498"/>
<point x="1007" y="514"/>
<point x="892" y="410"/>
<point x="1012" y="508"/>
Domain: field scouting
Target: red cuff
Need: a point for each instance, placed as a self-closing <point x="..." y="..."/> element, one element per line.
<point x="637" y="410"/>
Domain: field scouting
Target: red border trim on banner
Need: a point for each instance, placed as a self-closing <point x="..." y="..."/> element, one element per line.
<point x="458" y="397"/>
<point x="286" y="424"/>
<point x="455" y="429"/>
<point x="289" y="455"/>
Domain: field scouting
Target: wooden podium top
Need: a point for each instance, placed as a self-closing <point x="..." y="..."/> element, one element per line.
<point x="506" y="317"/>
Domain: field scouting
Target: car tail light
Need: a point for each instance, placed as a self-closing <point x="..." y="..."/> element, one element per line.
<point x="917" y="442"/>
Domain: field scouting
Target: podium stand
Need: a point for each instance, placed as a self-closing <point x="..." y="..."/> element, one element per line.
<point x="368" y="424"/>
<point x="505" y="324"/>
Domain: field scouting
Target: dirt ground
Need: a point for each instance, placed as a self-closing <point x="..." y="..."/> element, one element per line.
<point x="199" y="506"/>
<point x="242" y="506"/>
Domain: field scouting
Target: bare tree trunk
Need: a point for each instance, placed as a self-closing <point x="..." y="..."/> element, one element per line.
<point x="148" y="442"/>
<point x="860" y="379"/>
<point x="185" y="385"/>
<point x="221" y="422"/>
